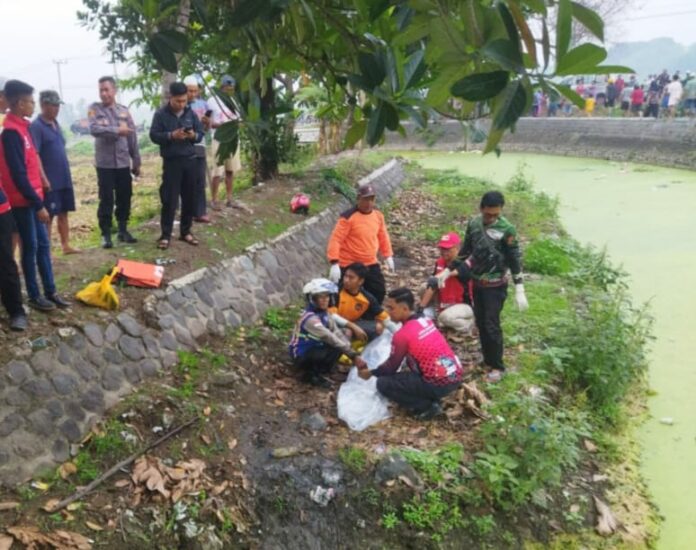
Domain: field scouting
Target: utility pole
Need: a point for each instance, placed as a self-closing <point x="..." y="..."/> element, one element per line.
<point x="58" y="63"/>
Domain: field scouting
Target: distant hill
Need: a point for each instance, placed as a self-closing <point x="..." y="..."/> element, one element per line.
<point x="652" y="56"/>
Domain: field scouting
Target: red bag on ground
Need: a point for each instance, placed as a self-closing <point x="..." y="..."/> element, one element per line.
<point x="139" y="274"/>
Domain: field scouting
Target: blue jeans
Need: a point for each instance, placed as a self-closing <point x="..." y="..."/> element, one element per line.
<point x="36" y="251"/>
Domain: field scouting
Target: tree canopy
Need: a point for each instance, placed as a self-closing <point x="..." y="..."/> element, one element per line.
<point x="388" y="61"/>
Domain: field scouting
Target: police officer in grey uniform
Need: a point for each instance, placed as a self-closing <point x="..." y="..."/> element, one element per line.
<point x="117" y="159"/>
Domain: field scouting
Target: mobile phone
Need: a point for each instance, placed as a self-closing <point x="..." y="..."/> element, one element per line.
<point x="188" y="128"/>
<point x="209" y="113"/>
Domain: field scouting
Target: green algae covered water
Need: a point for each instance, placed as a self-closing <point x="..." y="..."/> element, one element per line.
<point x="646" y="217"/>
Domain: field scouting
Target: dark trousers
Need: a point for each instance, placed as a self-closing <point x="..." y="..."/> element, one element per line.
<point x="374" y="282"/>
<point x="488" y="303"/>
<point x="409" y="390"/>
<point x="652" y="109"/>
<point x="200" y="208"/>
<point x="320" y="360"/>
<point x="10" y="288"/>
<point x="118" y="183"/>
<point x="36" y="252"/>
<point x="178" y="180"/>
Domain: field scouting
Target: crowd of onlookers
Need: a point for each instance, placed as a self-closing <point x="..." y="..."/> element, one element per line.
<point x="659" y="95"/>
<point x="36" y="183"/>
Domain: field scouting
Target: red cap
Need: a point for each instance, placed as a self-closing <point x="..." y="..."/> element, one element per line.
<point x="449" y="240"/>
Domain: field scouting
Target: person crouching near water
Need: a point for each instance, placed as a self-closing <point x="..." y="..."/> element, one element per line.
<point x="357" y="309"/>
<point x="447" y="297"/>
<point x="317" y="341"/>
<point x="432" y="369"/>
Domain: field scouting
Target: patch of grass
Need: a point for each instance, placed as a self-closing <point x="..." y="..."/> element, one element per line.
<point x="280" y="320"/>
<point x="433" y="512"/>
<point x="354" y="458"/>
<point x="435" y="465"/>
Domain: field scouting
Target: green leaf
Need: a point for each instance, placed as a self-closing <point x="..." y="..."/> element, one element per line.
<point x="481" y="86"/>
<point x="359" y="81"/>
<point x="372" y="68"/>
<point x="494" y="137"/>
<point x="201" y="11"/>
<point x="245" y="11"/>
<point x="581" y="60"/>
<point x="392" y="71"/>
<point x="355" y="133"/>
<point x="504" y="53"/>
<point x="176" y="40"/>
<point x="510" y="106"/>
<point x="571" y="94"/>
<point x="229" y="131"/>
<point x="611" y="69"/>
<point x="391" y="116"/>
<point x="163" y="53"/>
<point x="377" y="8"/>
<point x="564" y="23"/>
<point x="375" y="127"/>
<point x="589" y="18"/>
<point x="545" y="44"/>
<point x="414" y="69"/>
<point x="512" y="31"/>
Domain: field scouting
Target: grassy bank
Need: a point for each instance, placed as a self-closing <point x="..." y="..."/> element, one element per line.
<point x="564" y="415"/>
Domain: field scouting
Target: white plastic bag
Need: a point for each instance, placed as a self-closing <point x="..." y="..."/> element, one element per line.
<point x="377" y="351"/>
<point x="359" y="403"/>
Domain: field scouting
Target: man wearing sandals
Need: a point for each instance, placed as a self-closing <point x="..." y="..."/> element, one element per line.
<point x="176" y="128"/>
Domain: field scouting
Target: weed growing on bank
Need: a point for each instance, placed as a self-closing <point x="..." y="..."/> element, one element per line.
<point x="574" y="358"/>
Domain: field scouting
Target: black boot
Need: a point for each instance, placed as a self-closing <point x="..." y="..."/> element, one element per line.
<point x="106" y="241"/>
<point x="123" y="235"/>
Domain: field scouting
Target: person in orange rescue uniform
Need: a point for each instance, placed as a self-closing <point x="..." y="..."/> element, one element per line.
<point x="358" y="236"/>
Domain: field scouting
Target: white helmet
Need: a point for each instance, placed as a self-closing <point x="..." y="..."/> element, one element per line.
<point x="319" y="286"/>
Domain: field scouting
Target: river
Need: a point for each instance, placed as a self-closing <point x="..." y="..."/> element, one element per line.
<point x="645" y="216"/>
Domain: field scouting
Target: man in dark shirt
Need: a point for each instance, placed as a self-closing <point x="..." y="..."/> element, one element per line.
<point x="50" y="144"/>
<point x="176" y="128"/>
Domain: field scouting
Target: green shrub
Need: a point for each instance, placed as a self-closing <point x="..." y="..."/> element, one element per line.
<point x="547" y="257"/>
<point x="527" y="445"/>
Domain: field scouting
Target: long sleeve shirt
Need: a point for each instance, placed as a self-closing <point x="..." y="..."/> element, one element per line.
<point x="165" y="122"/>
<point x="357" y="237"/>
<point x="425" y="351"/>
<point x="112" y="150"/>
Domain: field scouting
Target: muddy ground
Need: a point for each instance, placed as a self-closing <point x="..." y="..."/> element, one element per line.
<point x="245" y="474"/>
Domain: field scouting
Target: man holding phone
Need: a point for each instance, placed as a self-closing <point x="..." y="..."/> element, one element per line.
<point x="200" y="107"/>
<point x="176" y="129"/>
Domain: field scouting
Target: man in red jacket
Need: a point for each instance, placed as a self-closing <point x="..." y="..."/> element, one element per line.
<point x="10" y="288"/>
<point x="20" y="171"/>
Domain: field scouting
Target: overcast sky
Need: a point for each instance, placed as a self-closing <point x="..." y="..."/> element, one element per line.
<point x="37" y="32"/>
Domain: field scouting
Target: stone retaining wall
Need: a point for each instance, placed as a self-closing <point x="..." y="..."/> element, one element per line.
<point x="664" y="142"/>
<point x="50" y="399"/>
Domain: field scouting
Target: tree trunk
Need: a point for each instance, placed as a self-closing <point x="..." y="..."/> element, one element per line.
<point x="267" y="159"/>
<point x="182" y="22"/>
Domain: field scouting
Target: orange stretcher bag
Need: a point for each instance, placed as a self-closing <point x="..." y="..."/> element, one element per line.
<point x="139" y="274"/>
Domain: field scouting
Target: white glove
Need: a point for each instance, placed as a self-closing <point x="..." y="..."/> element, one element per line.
<point x="442" y="277"/>
<point x="390" y="263"/>
<point x="335" y="273"/>
<point x="521" y="298"/>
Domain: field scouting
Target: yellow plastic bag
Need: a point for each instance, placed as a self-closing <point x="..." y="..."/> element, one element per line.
<point x="100" y="294"/>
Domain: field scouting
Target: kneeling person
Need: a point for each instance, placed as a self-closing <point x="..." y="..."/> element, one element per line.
<point x="433" y="370"/>
<point x="317" y="341"/>
<point x="451" y="294"/>
<point x="356" y="309"/>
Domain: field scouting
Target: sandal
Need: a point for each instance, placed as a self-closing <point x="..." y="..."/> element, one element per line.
<point x="189" y="239"/>
<point x="163" y="244"/>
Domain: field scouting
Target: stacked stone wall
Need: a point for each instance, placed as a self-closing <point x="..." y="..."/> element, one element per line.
<point x="50" y="398"/>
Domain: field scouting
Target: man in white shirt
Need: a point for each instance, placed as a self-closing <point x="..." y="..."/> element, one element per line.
<point x="221" y="114"/>
<point x="675" y="91"/>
